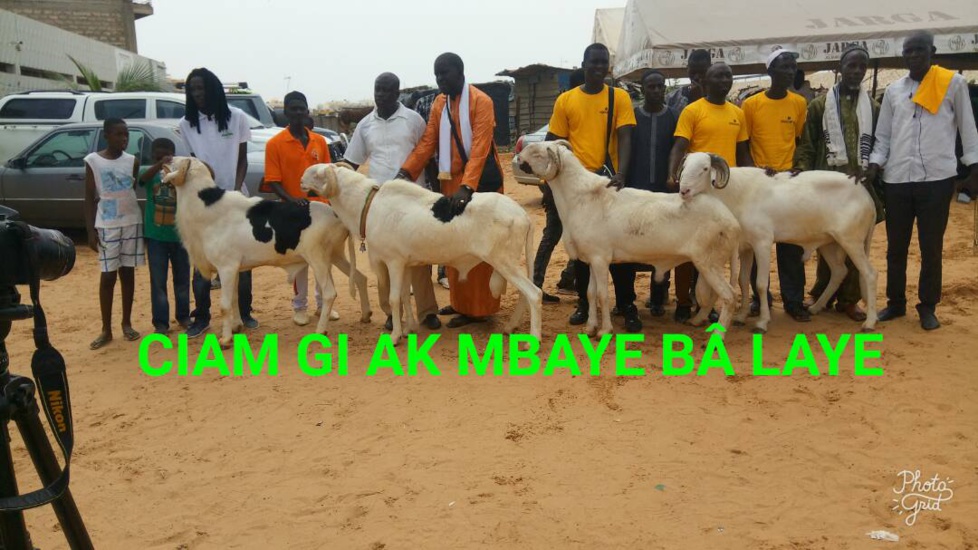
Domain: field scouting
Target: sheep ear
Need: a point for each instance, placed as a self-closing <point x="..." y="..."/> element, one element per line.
<point x="679" y="170"/>
<point x="564" y="143"/>
<point x="554" y="158"/>
<point x="330" y="180"/>
<point x="179" y="176"/>
<point x="342" y="164"/>
<point x="723" y="171"/>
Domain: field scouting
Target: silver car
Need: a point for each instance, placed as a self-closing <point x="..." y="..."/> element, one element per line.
<point x="46" y="182"/>
<point x="521" y="142"/>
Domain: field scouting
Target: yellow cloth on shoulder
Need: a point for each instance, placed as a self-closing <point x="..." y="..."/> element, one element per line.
<point x="933" y="88"/>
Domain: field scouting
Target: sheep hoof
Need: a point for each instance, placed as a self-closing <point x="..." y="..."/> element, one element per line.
<point x="226" y="343"/>
<point x="759" y="330"/>
<point x="739" y="322"/>
<point x="815" y="310"/>
<point x="870" y="328"/>
<point x="365" y="317"/>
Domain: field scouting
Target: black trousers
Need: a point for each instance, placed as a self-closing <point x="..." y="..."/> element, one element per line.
<point x="928" y="203"/>
<point x="622" y="275"/>
<point x="791" y="273"/>
<point x="551" y="236"/>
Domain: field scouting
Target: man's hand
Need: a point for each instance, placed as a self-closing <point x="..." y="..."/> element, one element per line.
<point x="299" y="201"/>
<point x="871" y="174"/>
<point x="402" y="174"/>
<point x="460" y="199"/>
<point x="93" y="240"/>
<point x="770" y="172"/>
<point x="617" y="181"/>
<point x="672" y="183"/>
<point x="971" y="182"/>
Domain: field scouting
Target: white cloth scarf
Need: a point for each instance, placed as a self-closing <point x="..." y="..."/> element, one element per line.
<point x="445" y="138"/>
<point x="834" y="134"/>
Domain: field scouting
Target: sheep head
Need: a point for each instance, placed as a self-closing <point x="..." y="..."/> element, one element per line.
<point x="542" y="159"/>
<point x="180" y="168"/>
<point x="323" y="179"/>
<point x="700" y="171"/>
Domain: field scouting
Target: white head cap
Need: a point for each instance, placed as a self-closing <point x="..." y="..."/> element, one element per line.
<point x="774" y="55"/>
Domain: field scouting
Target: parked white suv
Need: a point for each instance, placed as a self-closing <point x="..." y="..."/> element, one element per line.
<point x="26" y="116"/>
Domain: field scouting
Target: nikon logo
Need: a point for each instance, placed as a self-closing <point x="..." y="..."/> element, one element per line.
<point x="56" y="404"/>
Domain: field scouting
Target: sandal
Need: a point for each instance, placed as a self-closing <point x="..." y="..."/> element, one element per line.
<point x="462" y="320"/>
<point x="130" y="334"/>
<point x="100" y="341"/>
<point x="447" y="310"/>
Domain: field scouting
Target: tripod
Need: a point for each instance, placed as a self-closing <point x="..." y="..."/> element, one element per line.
<point x="17" y="403"/>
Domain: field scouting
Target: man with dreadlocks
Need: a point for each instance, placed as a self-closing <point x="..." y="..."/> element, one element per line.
<point x="217" y="134"/>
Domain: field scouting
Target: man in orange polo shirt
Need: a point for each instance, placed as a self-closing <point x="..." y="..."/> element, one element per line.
<point x="287" y="155"/>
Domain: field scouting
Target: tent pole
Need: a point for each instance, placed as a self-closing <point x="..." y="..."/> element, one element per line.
<point x="876" y="70"/>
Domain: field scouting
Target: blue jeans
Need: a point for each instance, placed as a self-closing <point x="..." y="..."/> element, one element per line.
<point x="202" y="296"/>
<point x="162" y="254"/>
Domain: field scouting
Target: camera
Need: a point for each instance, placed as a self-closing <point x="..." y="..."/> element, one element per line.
<point x="28" y="253"/>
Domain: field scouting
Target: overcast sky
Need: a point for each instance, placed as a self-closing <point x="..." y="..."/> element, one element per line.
<point x="333" y="50"/>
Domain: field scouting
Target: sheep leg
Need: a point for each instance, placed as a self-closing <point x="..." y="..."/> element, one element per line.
<point x="408" y="311"/>
<point x="763" y="253"/>
<point x="746" y="260"/>
<point x="327" y="290"/>
<point x="867" y="280"/>
<point x="592" y="306"/>
<point x="359" y="280"/>
<point x="396" y="274"/>
<point x="706" y="298"/>
<point x="229" y="305"/>
<point x="835" y="257"/>
<point x="383" y="284"/>
<point x="599" y="275"/>
<point x="531" y="297"/>
<point x="721" y="290"/>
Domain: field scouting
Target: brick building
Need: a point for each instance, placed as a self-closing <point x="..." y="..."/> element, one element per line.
<point x="108" y="21"/>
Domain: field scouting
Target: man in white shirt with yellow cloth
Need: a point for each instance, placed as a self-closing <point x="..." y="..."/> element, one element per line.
<point x="920" y="118"/>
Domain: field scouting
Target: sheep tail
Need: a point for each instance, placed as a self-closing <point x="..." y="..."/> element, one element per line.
<point x="529" y="251"/>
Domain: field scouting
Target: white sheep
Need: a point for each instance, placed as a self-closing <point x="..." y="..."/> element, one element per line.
<point x="822" y="210"/>
<point x="604" y="226"/>
<point x="227" y="232"/>
<point x="406" y="225"/>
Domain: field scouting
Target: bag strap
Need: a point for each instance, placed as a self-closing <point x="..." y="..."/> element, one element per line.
<point x="458" y="140"/>
<point x="607" y="135"/>
<point x="48" y="367"/>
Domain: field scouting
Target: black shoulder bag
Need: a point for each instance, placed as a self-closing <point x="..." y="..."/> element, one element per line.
<point x="491" y="180"/>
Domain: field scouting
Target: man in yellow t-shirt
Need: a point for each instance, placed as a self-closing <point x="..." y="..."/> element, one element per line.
<point x="708" y="125"/>
<point x="581" y="117"/>
<point x="775" y="121"/>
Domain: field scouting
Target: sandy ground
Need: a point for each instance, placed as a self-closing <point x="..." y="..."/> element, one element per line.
<point x="394" y="462"/>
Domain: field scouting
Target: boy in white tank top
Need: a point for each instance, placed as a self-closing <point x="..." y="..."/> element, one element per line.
<point x="114" y="223"/>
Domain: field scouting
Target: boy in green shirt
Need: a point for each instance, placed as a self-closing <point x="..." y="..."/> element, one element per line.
<point x="163" y="243"/>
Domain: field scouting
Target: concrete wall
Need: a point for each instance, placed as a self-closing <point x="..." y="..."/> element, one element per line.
<point x="108" y="21"/>
<point x="34" y="54"/>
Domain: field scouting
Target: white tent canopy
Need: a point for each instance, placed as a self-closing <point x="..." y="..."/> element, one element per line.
<point x="660" y="34"/>
<point x="607" y="28"/>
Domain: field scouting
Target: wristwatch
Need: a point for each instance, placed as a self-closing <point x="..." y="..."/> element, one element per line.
<point x="469" y="189"/>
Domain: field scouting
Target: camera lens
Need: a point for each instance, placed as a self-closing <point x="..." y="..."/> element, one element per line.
<point x="53" y="253"/>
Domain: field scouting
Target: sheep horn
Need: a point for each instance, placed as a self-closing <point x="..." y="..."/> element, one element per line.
<point x="723" y="171"/>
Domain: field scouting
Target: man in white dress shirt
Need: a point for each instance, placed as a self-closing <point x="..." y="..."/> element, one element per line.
<point x="921" y="115"/>
<point x="385" y="138"/>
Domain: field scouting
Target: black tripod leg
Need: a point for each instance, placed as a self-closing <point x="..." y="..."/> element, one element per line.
<point x="13" y="530"/>
<point x="36" y="441"/>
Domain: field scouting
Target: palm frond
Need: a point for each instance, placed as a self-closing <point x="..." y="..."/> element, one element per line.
<point x="91" y="79"/>
<point x="138" y="77"/>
